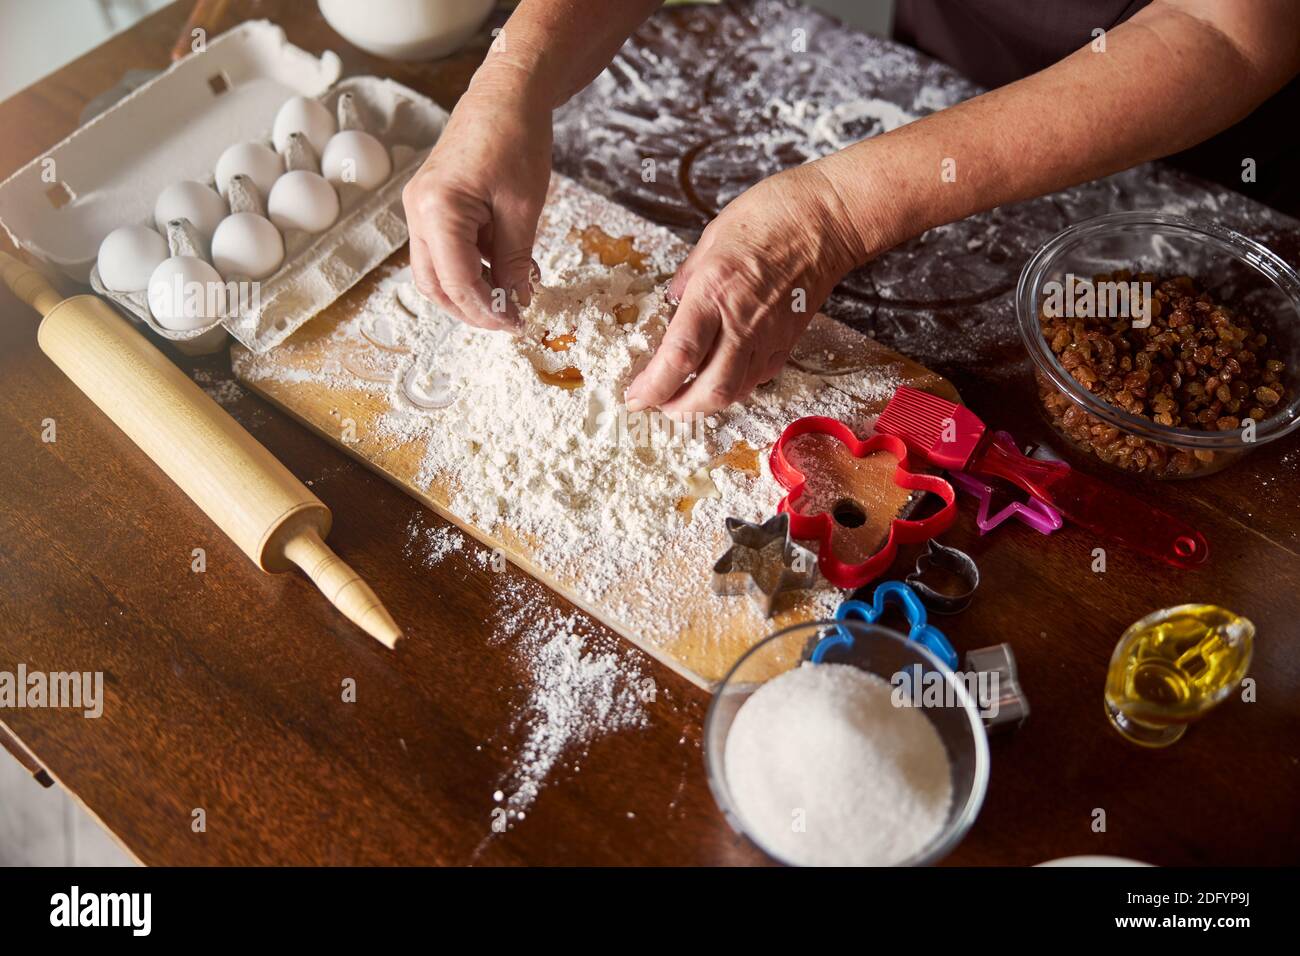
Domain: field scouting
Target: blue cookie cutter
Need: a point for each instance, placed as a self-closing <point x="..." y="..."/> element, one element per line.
<point x="927" y="635"/>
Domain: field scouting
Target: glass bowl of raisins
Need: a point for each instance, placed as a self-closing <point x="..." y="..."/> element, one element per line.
<point x="1163" y="346"/>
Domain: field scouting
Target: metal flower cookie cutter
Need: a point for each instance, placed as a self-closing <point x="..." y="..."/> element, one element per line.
<point x="821" y="526"/>
<point x="763" y="562"/>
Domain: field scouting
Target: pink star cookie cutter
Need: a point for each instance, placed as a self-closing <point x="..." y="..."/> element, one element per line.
<point x="1035" y="512"/>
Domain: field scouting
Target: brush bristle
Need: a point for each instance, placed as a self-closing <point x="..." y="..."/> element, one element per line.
<point x="942" y="432"/>
<point x="915" y="415"/>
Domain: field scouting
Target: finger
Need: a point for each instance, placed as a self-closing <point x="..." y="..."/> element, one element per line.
<point x="721" y="380"/>
<point x="758" y="373"/>
<point x="416" y="203"/>
<point x="422" y="269"/>
<point x="690" y="336"/>
<point x="677" y="287"/>
<point x="682" y="277"/>
<point x="457" y="266"/>
<point x="512" y="253"/>
<point x="428" y="287"/>
<point x="772" y="367"/>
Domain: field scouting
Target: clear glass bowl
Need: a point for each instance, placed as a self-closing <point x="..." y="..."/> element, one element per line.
<point x="1237" y="271"/>
<point x="879" y="651"/>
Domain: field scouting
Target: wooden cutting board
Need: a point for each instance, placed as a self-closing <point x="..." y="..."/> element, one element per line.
<point x="710" y="632"/>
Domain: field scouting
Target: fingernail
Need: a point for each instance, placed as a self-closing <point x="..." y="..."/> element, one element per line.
<point x="524" y="294"/>
<point x="634" y="404"/>
<point x="502" y="324"/>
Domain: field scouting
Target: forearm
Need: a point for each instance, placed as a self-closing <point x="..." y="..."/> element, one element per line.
<point x="550" y="49"/>
<point x="1167" y="80"/>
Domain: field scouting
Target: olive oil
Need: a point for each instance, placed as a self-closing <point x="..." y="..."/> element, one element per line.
<point x="1172" y="666"/>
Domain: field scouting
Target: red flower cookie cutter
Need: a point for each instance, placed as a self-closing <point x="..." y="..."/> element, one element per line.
<point x="821" y="526"/>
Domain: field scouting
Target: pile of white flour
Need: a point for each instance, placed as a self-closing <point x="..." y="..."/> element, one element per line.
<point x="628" y="510"/>
<point x="825" y="770"/>
<point x="598" y="491"/>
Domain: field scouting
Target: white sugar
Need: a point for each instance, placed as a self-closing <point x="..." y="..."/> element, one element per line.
<point x="825" y="770"/>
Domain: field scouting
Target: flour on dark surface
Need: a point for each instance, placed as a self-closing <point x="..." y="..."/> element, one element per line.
<point x="714" y="125"/>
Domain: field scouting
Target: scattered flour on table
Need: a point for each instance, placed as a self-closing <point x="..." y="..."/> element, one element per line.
<point x="431" y="545"/>
<point x="582" y="685"/>
<point x="824" y="769"/>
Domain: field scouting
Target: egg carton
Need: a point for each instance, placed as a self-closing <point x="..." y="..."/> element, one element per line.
<point x="59" y="207"/>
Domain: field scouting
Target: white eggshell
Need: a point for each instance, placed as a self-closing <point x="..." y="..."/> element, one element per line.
<point x="127" y="257"/>
<point x="302" y="114"/>
<point x="354" y="156"/>
<point x="186" y="293"/>
<point x="303" y="200"/>
<point x="259" y="163"/>
<point x="198" y="203"/>
<point x="247" y="245"/>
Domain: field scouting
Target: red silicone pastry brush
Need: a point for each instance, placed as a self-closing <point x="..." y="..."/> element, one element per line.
<point x="951" y="436"/>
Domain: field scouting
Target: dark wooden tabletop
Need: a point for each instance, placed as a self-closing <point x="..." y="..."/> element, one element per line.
<point x="224" y="688"/>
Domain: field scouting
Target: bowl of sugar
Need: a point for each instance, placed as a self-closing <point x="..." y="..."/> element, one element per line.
<point x="876" y="756"/>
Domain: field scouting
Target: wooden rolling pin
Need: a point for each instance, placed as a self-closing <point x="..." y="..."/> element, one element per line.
<point x="240" y="485"/>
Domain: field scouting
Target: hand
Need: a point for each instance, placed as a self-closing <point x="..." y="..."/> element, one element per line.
<point x="477" y="198"/>
<point x="746" y="292"/>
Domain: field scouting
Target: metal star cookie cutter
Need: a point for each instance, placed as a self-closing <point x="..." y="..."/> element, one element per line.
<point x="749" y="565"/>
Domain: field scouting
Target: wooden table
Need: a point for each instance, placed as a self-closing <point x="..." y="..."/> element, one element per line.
<point x="224" y="688"/>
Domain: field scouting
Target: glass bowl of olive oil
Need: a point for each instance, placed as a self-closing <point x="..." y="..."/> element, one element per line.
<point x="1173" y="666"/>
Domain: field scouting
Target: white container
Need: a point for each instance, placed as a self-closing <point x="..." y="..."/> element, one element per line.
<point x="60" y="206"/>
<point x="407" y="29"/>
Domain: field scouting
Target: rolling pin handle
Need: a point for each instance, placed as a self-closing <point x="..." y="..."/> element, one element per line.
<point x="29" y="285"/>
<point x="343" y="586"/>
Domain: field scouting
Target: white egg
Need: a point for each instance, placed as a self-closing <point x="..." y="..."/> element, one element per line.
<point x="301" y="114"/>
<point x="186" y="293"/>
<point x="198" y="203"/>
<point x="127" y="257"/>
<point x="259" y="163"/>
<point x="354" y="156"/>
<point x="247" y="245"/>
<point x="303" y="200"/>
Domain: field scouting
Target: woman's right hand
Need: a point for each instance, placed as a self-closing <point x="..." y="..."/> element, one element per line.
<point x="477" y="199"/>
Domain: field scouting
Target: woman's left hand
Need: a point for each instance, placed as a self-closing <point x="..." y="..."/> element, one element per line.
<point x="760" y="272"/>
